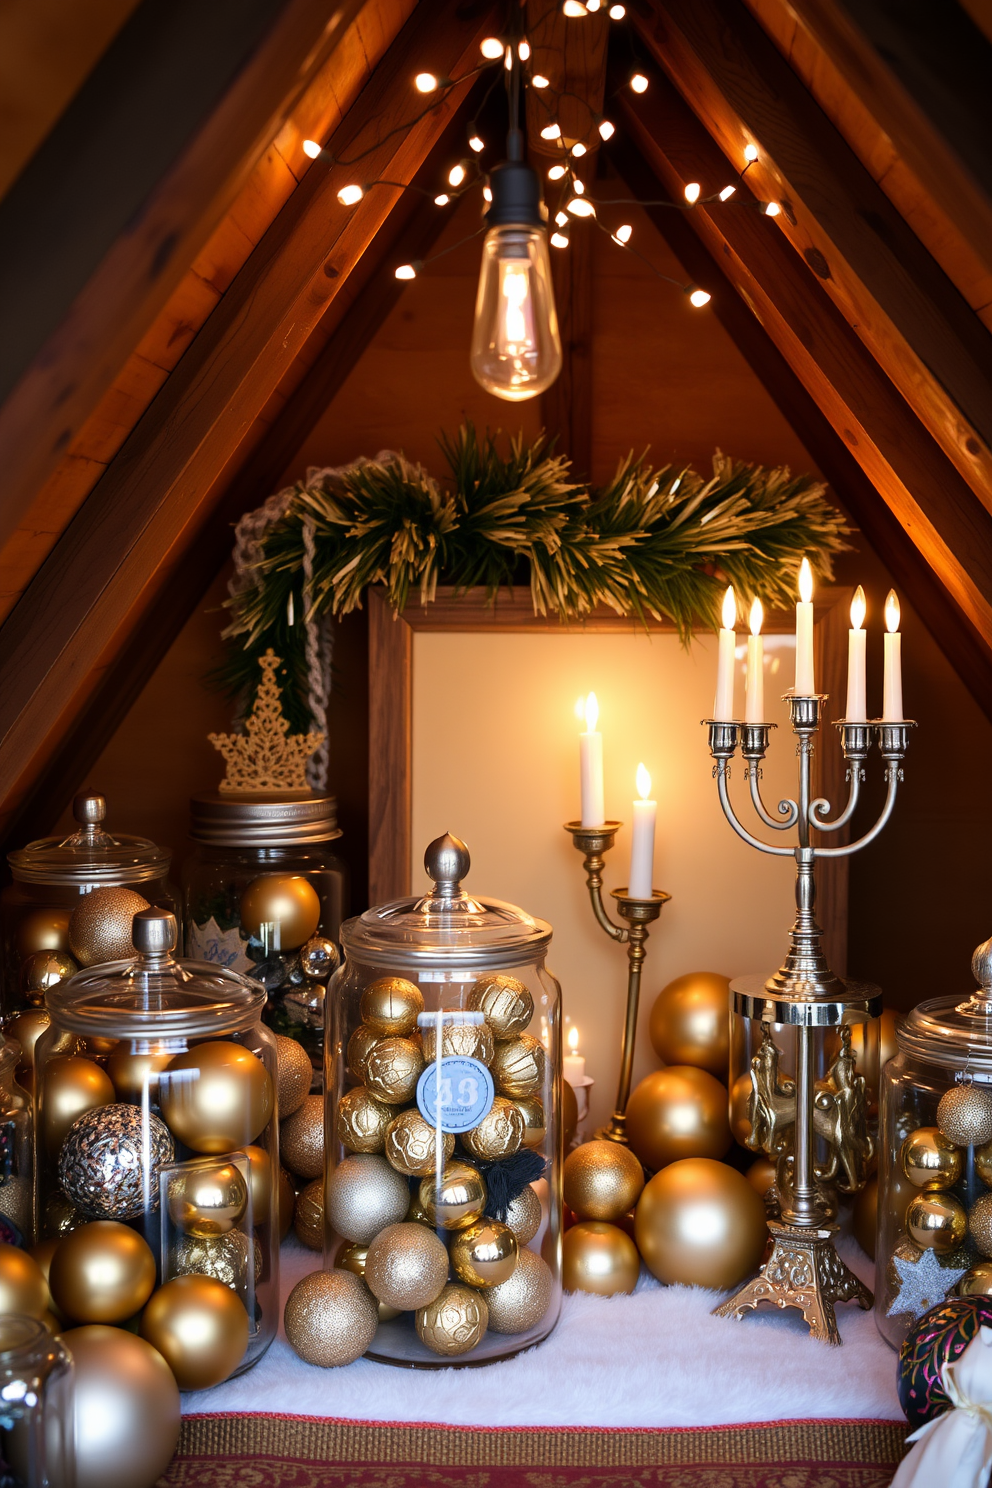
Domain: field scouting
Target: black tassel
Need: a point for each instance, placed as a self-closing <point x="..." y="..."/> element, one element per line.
<point x="507" y="1177"/>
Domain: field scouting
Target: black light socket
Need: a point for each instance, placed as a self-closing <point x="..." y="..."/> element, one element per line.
<point x="517" y="200"/>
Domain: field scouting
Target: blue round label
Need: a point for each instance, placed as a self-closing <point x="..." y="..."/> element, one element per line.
<point x="460" y="1098"/>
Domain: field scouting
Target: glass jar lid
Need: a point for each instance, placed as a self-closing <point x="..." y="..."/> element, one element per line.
<point x="954" y="1034"/>
<point x="227" y="819"/>
<point x="90" y="855"/>
<point x="446" y="927"/>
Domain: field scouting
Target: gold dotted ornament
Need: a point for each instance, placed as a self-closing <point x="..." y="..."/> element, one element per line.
<point x="390" y="1007"/>
<point x="294" y="1073"/>
<point x="524" y="1215"/>
<point x="406" y="1266"/>
<point x="520" y="1303"/>
<point x="455" y="1322"/>
<point x="518" y="1066"/>
<point x="499" y="1134"/>
<point x="412" y="1144"/>
<point x="504" y="1002"/>
<point x="363" y="1195"/>
<point x="362" y="1121"/>
<point x="965" y="1115"/>
<point x="301" y="1139"/>
<point x="100" y="926"/>
<point x="330" y="1318"/>
<point x="602" y="1180"/>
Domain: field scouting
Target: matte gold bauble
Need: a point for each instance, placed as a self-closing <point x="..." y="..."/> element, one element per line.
<point x="980" y="1224"/>
<point x="126" y="1409"/>
<point x="392" y="1069"/>
<point x="864" y="1220"/>
<point x="761" y="1175"/>
<point x="406" y="1266"/>
<point x="282" y="908"/>
<point x="599" y="1258"/>
<point x="330" y="1318"/>
<point x="103" y="1272"/>
<point x="936" y="1221"/>
<point x="42" y="1253"/>
<point x="207" y="1199"/>
<point x="602" y="1180"/>
<point x="531" y="1108"/>
<point x="700" y="1223"/>
<point x="454" y="1322"/>
<point x="135" y="1074"/>
<point x="929" y="1160"/>
<point x="504" y="1002"/>
<point x="362" y="1121"/>
<point x="569" y="1113"/>
<point x="977" y="1282"/>
<point x="391" y="1006"/>
<point x="100" y="925"/>
<point x="71" y="1086"/>
<point x="216" y="1097"/>
<point x="43" y="930"/>
<point x="360" y="1046"/>
<point x="740" y="1123"/>
<point x="294" y="1073"/>
<point x="677" y="1113"/>
<point x="199" y="1327"/>
<point x="412" y="1144"/>
<point x="520" y="1302"/>
<point x="259" y="1183"/>
<point x="301" y="1139"/>
<point x="27" y="1029"/>
<point x="457" y="1200"/>
<point x="518" y="1066"/>
<point x="485" y="1254"/>
<point x="462" y="1040"/>
<point x="524" y="1214"/>
<point x="226" y="1259"/>
<point x="23" y="1284"/>
<point x="964" y="1115"/>
<point x="499" y="1134"/>
<point x="690" y="1022"/>
<point x="363" y="1195"/>
<point x="308" y="1215"/>
<point x="42" y="970"/>
<point x="287" y="1203"/>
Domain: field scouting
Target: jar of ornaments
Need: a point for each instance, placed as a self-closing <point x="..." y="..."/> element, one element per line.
<point x="157" y="1160"/>
<point x="934" y="1235"/>
<point x="442" y="1187"/>
<point x="70" y="905"/>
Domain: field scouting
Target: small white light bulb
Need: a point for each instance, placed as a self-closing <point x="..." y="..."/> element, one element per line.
<point x="727" y="193"/>
<point x="578" y="149"/>
<point x="539" y="81"/>
<point x="349" y="195"/>
<point x="579" y="188"/>
<point x="311" y="149"/>
<point x="456" y="175"/>
<point x="750" y="153"/>
<point x="425" y="82"/>
<point x="617" y="12"/>
<point x="770" y="209"/>
<point x="406" y="271"/>
<point x="508" y="59"/>
<point x="491" y="48"/>
<point x="691" y="192"/>
<point x="559" y="240"/>
<point x="579" y="207"/>
<point x="523" y="50"/>
<point x="699" y="298"/>
<point x="560" y="219"/>
<point x="487" y="194"/>
<point x="639" y="83"/>
<point x="606" y="129"/>
<point x="442" y="200"/>
<point x="622" y="234"/>
<point x="551" y="132"/>
<point x="556" y="172"/>
<point x="477" y="144"/>
<point x="573" y="9"/>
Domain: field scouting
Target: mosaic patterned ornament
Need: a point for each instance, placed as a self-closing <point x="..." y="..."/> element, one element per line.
<point x="109" y="1162"/>
<point x="225" y="1259"/>
<point x="922" y="1279"/>
<point x="940" y="1337"/>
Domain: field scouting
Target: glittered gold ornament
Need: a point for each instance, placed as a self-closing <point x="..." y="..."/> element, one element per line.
<point x="126" y="1409"/>
<point x="458" y="1200"/>
<point x="977" y="1282"/>
<point x="599" y="1258"/>
<point x="70" y="1087"/>
<point x="761" y="1175"/>
<point x="454" y="1322"/>
<point x="524" y="1215"/>
<point x="929" y="1160"/>
<point x="518" y="1066"/>
<point x="391" y="1006"/>
<point x="531" y="1108"/>
<point x="259" y="1183"/>
<point x="282" y="908"/>
<point x="363" y="1195"/>
<point x="301" y="1139"/>
<point x="100" y="925"/>
<point x="286" y="1203"/>
<point x="499" y="1134"/>
<point x="504" y="1002"/>
<point x="936" y="1221"/>
<point x="520" y="1302"/>
<point x="392" y="1070"/>
<point x="23" y="1286"/>
<point x="362" y="1121"/>
<point x="293" y="1075"/>
<point x="360" y="1046"/>
<point x="226" y="1259"/>
<point x="42" y="970"/>
<point x="103" y="1272"/>
<point x="27" y="1029"/>
<point x="602" y="1180"/>
<point x="700" y="1223"/>
<point x="308" y="1216"/>
<point x="330" y="1318"/>
<point x="412" y="1144"/>
<point x="980" y="1224"/>
<point x="43" y="930"/>
<point x="406" y="1266"/>
<point x="216" y="1097"/>
<point x="864" y="1220"/>
<point x="110" y="1161"/>
<point x="200" y="1327"/>
<point x="134" y="1074"/>
<point x="679" y="1112"/>
<point x="16" y="1199"/>
<point x="690" y="1022"/>
<point x="464" y="1040"/>
<point x="484" y="1254"/>
<point x="207" y="1199"/>
<point x="965" y="1115"/>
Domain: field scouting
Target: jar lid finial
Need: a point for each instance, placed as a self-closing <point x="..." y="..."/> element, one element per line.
<point x="154" y="932"/>
<point x="447" y="861"/>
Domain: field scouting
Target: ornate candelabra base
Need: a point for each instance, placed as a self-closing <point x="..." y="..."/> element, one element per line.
<point x="803" y="1271"/>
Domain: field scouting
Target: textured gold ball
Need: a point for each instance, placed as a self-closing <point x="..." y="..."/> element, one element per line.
<point x="103" y="1272"/>
<point x="977" y="1282"/>
<point x="936" y="1221"/>
<point x="965" y="1115"/>
<point x="531" y="1109"/>
<point x="363" y="1195"/>
<point x="225" y="1259"/>
<point x="259" y="1183"/>
<point x="761" y="1175"/>
<point x="602" y="1180"/>
<point x="524" y="1215"/>
<point x="293" y="1075"/>
<point x="134" y="1075"/>
<point x="865" y="1217"/>
<point x="23" y="1287"/>
<point x="458" y="1200"/>
<point x="43" y="930"/>
<point x="126" y="1409"/>
<point x="690" y="1022"/>
<point x="412" y="1144"/>
<point x="308" y="1216"/>
<point x="363" y="1121"/>
<point x="700" y="1223"/>
<point x="392" y="1070"/>
<point x="207" y="1200"/>
<point x="330" y="1318"/>
<point x="71" y="1086"/>
<point x="360" y="1046"/>
<point x="282" y="908"/>
<point x="100" y="927"/>
<point x="463" y="1040"/>
<point x="216" y="1097"/>
<point x="519" y="1303"/>
<point x="406" y="1266"/>
<point x="599" y="1258"/>
<point x="111" y="1159"/>
<point x="454" y="1322"/>
<point x="929" y="1160"/>
<point x="42" y="970"/>
<point x="484" y="1254"/>
<point x="504" y="1002"/>
<point x="199" y="1327"/>
<point x="518" y="1066"/>
<point x="391" y="1006"/>
<point x="301" y="1139"/>
<point x="675" y="1113"/>
<point x="499" y="1134"/>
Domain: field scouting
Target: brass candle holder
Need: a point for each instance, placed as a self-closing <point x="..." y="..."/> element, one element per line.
<point x="593" y="843"/>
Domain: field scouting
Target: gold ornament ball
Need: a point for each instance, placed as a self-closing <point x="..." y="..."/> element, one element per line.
<point x="200" y="1327"/>
<point x="259" y="1183"/>
<point x="23" y="1283"/>
<point x="391" y="1006"/>
<point x="293" y="1075"/>
<point x="412" y="1144"/>
<point x="983" y="1163"/>
<point x="319" y="958"/>
<point x="100" y="927"/>
<point x="308" y="1216"/>
<point x="602" y="1180"/>
<point x="599" y="1258"/>
<point x="678" y="1112"/>
<point x="301" y="1139"/>
<point x="524" y="1215"/>
<point x="531" y="1108"/>
<point x="330" y="1318"/>
<point x="457" y="1200"/>
<point x="216" y="1097"/>
<point x="363" y="1195"/>
<point x="936" y="1221"/>
<point x="864" y="1220"/>
<point x="977" y="1282"/>
<point x="464" y="1040"/>
<point x="499" y="1134"/>
<point x="285" y="906"/>
<point x="71" y="1086"/>
<point x="416" y="1213"/>
<point x="485" y="1254"/>
<point x="104" y="1272"/>
<point x="360" y="1046"/>
<point x="569" y="1113"/>
<point x="61" y="1216"/>
<point x="504" y="1002"/>
<point x="43" y="930"/>
<point x="126" y="1409"/>
<point x="42" y="1253"/>
<point x="226" y="1259"/>
<point x="518" y="1066"/>
<point x="27" y="1029"/>
<point x="392" y="1069"/>
<point x="700" y="1223"/>
<point x="454" y="1322"/>
<point x="351" y="1258"/>
<point x="135" y="1074"/>
<point x="929" y="1160"/>
<point x="965" y="1115"/>
<point x="42" y="970"/>
<point x="740" y="1123"/>
<point x="761" y="1175"/>
<point x="690" y="1022"/>
<point x="362" y="1121"/>
<point x="406" y="1266"/>
<point x="286" y="1203"/>
<point x="980" y="1224"/>
<point x="207" y="1199"/>
<point x="519" y="1303"/>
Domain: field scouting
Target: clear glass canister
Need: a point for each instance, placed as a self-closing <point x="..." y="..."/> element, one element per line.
<point x="265" y="895"/>
<point x="16" y="1152"/>
<point x="157" y="1154"/>
<point x="37" y="1446"/>
<point x="443" y="1122"/>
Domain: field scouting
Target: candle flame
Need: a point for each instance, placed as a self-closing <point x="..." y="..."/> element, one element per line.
<point x="892" y="612"/>
<point x="592" y="712"/>
<point x="859" y="608"/>
<point x="805" y="581"/>
<point x="643" y="782"/>
<point x="573" y="1038"/>
<point x="757" y="616"/>
<point x="729" y="609"/>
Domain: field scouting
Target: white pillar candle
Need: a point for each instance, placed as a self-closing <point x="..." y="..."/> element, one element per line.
<point x="892" y="683"/>
<point x="723" y="706"/>
<point x="591" y="768"/>
<point x="640" y="880"/>
<point x="805" y="682"/>
<point x="754" y="702"/>
<point x="573" y="1064"/>
<point x="857" y="705"/>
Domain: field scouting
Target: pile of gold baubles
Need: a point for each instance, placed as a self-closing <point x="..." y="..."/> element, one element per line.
<point x="481" y="1274"/>
<point x="280" y="915"/>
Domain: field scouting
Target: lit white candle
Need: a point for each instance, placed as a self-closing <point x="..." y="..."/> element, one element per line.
<point x="805" y="683"/>
<point x="640" y="881"/>
<point x="723" y="706"/>
<point x="573" y="1064"/>
<point x="754" y="702"/>
<point x="591" y="767"/>
<point x="857" y="705"/>
<point x="892" y="684"/>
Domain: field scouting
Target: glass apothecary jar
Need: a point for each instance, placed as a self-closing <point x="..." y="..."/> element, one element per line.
<point x="37" y="1446"/>
<point x="265" y="895"/>
<point x="157" y="1150"/>
<point x="443" y="1122"/>
<point x="106" y="877"/>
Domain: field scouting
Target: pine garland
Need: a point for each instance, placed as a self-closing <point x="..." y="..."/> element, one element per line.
<point x="651" y="543"/>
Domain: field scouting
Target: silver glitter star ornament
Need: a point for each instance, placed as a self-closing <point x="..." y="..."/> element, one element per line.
<point x="921" y="1279"/>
